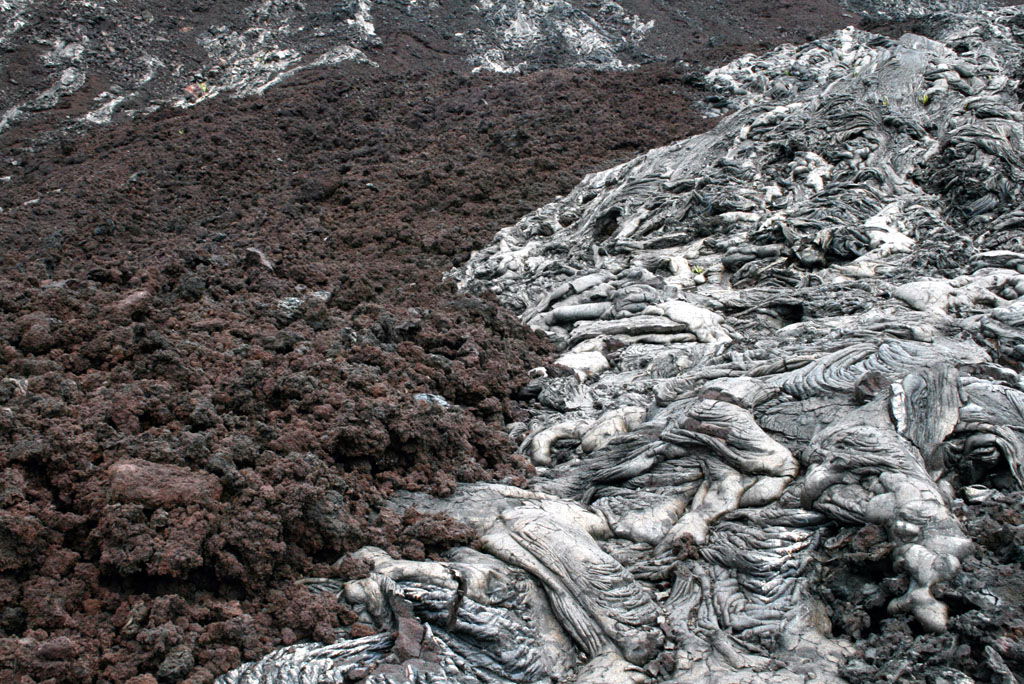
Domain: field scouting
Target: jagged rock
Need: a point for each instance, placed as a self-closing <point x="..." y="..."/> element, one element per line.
<point x="159" y="485"/>
<point x="775" y="304"/>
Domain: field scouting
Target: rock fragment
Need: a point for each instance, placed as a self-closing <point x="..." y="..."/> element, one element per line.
<point x="160" y="485"/>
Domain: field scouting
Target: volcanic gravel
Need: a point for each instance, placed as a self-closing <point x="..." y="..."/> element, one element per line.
<point x="225" y="339"/>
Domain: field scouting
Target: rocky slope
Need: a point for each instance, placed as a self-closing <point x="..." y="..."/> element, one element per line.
<point x="225" y="337"/>
<point x="783" y="437"/>
<point x="69" y="65"/>
<point x="224" y="328"/>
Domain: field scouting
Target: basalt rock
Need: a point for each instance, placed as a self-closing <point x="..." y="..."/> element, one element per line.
<point x="792" y="340"/>
<point x="69" y="68"/>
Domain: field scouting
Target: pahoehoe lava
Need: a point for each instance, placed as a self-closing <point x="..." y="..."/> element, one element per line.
<point x="280" y="401"/>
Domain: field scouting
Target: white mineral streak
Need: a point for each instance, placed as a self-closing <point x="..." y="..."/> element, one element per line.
<point x="9" y="117"/>
<point x="264" y="43"/>
<point x="363" y="21"/>
<point x="597" y="33"/>
<point x="901" y="10"/>
<point x="251" y="60"/>
<point x="105" y="111"/>
<point x="12" y="17"/>
<point x="265" y="46"/>
<point x="68" y="81"/>
<point x="803" y="319"/>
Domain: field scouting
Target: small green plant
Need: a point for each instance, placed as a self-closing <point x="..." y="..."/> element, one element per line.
<point x="924" y="99"/>
<point x="697" y="270"/>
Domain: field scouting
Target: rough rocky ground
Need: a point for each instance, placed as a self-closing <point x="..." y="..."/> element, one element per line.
<point x="70" y="65"/>
<point x="986" y="602"/>
<point x="216" y="322"/>
<point x="596" y="269"/>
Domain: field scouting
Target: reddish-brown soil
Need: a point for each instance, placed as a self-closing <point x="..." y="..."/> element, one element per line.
<point x="214" y="325"/>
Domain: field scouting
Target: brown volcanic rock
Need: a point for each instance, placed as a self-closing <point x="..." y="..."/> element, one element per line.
<point x="160" y="485"/>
